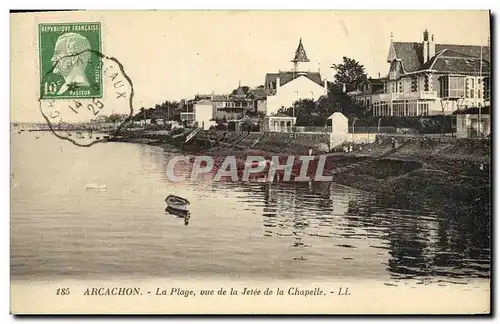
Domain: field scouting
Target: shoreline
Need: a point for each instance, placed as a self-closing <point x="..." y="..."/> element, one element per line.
<point x="446" y="172"/>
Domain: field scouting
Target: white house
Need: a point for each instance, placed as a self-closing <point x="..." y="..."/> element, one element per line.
<point x="203" y="113"/>
<point x="427" y="78"/>
<point x="286" y="87"/>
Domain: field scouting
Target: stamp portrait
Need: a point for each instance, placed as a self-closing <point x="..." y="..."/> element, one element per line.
<point x="67" y="67"/>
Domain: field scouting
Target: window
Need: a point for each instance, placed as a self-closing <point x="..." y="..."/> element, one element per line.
<point x="414" y="85"/>
<point x="423" y="108"/>
<point x="486" y="85"/>
<point x="453" y="87"/>
<point x="426" y="83"/>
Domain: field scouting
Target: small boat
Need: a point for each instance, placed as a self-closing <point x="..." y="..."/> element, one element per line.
<point x="96" y="186"/>
<point x="177" y="205"/>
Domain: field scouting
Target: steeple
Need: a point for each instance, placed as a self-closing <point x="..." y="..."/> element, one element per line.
<point x="300" y="55"/>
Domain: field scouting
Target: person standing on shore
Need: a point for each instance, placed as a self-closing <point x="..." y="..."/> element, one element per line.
<point x="310" y="151"/>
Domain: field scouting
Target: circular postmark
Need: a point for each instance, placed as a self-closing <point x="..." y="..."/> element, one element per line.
<point x="86" y="97"/>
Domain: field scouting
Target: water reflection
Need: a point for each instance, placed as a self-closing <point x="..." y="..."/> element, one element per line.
<point x="411" y="239"/>
<point x="419" y="241"/>
<point x="284" y="230"/>
<point x="423" y="242"/>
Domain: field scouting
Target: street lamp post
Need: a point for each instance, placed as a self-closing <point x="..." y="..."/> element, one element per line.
<point x="353" y="122"/>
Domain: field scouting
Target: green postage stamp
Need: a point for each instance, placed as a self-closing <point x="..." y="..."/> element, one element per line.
<point x="67" y="67"/>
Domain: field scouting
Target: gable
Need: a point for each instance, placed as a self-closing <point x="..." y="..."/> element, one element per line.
<point x="302" y="82"/>
<point x="410" y="54"/>
<point x="288" y="76"/>
<point x="392" y="53"/>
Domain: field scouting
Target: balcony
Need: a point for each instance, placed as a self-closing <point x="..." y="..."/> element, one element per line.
<point x="424" y="95"/>
<point x="388" y="96"/>
<point x="418" y="95"/>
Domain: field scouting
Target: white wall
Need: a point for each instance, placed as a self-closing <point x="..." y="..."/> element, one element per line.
<point x="358" y="138"/>
<point x="299" y="88"/>
<point x="340" y="123"/>
<point x="202" y="114"/>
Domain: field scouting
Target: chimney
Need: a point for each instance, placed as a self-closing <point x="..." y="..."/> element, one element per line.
<point x="426" y="46"/>
<point x="277" y="83"/>
<point x="379" y="75"/>
<point x="432" y="47"/>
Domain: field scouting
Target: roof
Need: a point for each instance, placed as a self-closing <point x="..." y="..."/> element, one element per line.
<point x="448" y="61"/>
<point x="288" y="76"/>
<point x="240" y="91"/>
<point x="337" y="115"/>
<point x="202" y="96"/>
<point x="300" y="53"/>
<point x="376" y="80"/>
<point x="228" y="98"/>
<point x="258" y="92"/>
<point x="204" y="102"/>
<point x="411" y="53"/>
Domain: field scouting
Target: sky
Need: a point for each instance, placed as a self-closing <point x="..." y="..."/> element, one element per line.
<point x="171" y="55"/>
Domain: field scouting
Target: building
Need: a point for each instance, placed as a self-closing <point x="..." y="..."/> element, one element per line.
<point x="468" y="125"/>
<point x="259" y="100"/>
<point x="366" y="89"/>
<point x="339" y="123"/>
<point x="187" y="111"/>
<point x="203" y="113"/>
<point x="284" y="88"/>
<point x="426" y="78"/>
<point x="233" y="106"/>
<point x="278" y="123"/>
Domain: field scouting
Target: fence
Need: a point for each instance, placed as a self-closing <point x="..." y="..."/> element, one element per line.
<point x="373" y="130"/>
<point x="312" y="129"/>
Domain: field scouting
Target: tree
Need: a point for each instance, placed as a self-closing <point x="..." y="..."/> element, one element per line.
<point x="114" y="118"/>
<point x="350" y="73"/>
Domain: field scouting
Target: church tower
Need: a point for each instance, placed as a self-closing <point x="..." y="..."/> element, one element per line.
<point x="300" y="59"/>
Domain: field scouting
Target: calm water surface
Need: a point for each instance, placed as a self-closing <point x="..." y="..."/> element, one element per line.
<point x="61" y="229"/>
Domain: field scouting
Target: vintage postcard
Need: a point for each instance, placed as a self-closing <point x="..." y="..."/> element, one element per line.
<point x="250" y="162"/>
